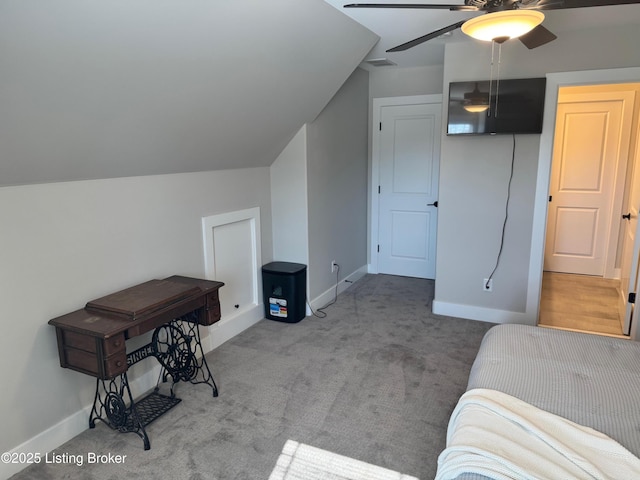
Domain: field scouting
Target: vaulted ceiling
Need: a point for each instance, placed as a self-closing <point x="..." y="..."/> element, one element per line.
<point x="99" y="89"/>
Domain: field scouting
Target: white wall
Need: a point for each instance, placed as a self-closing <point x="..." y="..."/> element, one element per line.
<point x="289" y="202"/>
<point x="337" y="185"/>
<point x="64" y="244"/>
<point x="474" y="175"/>
<point x="399" y="82"/>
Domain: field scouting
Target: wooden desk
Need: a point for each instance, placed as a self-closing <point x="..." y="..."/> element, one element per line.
<point x="93" y="341"/>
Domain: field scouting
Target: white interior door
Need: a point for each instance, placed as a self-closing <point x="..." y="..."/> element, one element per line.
<point x="409" y="161"/>
<point x="591" y="133"/>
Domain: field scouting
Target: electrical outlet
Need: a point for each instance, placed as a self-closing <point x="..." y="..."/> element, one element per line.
<point x="334" y="266"/>
<point x="487" y="285"/>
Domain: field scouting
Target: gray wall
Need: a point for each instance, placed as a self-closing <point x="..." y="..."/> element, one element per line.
<point x="474" y="174"/>
<point x="289" y="202"/>
<point x="337" y="184"/>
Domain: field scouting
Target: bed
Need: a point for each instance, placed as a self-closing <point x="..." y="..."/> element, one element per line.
<point x="556" y="378"/>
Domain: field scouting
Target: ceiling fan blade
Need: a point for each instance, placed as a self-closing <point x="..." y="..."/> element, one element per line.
<point x="537" y="37"/>
<point x="424" y="38"/>
<point x="541" y="4"/>
<point x="564" y="4"/>
<point x="417" y="6"/>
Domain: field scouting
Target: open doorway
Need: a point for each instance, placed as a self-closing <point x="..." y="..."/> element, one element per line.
<point x="580" y="302"/>
<point x="585" y="253"/>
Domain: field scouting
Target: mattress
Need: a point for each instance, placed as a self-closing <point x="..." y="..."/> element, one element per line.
<point x="591" y="380"/>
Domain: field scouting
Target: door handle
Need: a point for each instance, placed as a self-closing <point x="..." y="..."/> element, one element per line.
<point x="627" y="216"/>
<point x="434" y="204"/>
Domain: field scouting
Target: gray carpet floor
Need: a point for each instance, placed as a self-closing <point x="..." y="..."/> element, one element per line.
<point x="375" y="380"/>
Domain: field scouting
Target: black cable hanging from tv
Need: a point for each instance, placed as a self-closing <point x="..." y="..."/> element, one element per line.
<point x="506" y="213"/>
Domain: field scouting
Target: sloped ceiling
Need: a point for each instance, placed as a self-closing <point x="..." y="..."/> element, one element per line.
<point x="111" y="88"/>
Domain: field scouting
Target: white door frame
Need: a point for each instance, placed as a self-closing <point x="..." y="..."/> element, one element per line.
<point x="374" y="179"/>
<point x="631" y="283"/>
<point x="554" y="82"/>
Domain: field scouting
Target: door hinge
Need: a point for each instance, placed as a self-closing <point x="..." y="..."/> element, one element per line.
<point x="378" y="189"/>
<point x="550" y="197"/>
<point x="378" y="248"/>
<point x="632" y="297"/>
<point x="380" y="127"/>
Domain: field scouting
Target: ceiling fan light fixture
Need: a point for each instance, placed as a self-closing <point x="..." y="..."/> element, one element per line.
<point x="504" y="25"/>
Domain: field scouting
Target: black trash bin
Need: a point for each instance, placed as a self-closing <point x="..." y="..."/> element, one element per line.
<point x="284" y="288"/>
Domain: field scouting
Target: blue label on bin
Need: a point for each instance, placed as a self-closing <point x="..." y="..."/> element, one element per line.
<point x="278" y="307"/>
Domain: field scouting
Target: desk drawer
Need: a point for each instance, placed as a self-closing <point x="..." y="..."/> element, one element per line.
<point x="115" y="365"/>
<point x="91" y="364"/>
<point x="91" y="344"/>
<point x="103" y="358"/>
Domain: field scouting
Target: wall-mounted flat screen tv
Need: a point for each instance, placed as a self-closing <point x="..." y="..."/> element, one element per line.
<point x="513" y="106"/>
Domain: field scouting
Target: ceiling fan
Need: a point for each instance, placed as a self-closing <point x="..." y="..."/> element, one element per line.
<point x="535" y="37"/>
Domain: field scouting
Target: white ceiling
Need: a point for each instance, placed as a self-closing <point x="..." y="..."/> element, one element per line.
<point x="395" y="27"/>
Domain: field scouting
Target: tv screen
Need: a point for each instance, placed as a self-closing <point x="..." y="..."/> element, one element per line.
<point x="514" y="106"/>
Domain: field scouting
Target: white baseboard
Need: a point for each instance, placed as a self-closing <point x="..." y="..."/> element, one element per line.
<point x="231" y="325"/>
<point x="76" y="423"/>
<point x="330" y="294"/>
<point x="482" y="314"/>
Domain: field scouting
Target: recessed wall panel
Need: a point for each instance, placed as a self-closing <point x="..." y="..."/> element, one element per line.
<point x="232" y="255"/>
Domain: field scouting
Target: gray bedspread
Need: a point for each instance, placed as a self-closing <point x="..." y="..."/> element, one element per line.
<point x="589" y="379"/>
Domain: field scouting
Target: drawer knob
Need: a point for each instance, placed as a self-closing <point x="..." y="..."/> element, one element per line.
<point x="119" y="363"/>
<point x="117" y="343"/>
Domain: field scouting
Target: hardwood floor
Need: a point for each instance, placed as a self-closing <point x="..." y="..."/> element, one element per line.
<point x="580" y="302"/>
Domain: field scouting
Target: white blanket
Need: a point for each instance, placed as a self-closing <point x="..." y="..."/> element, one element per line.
<point x="501" y="437"/>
